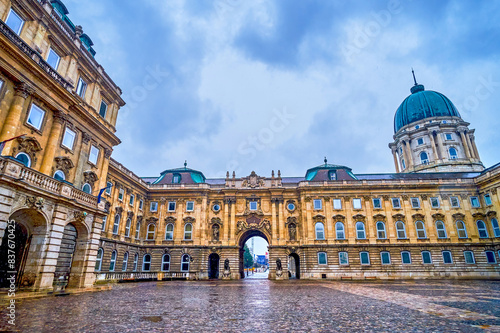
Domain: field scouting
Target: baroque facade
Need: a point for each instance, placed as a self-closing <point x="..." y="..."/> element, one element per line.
<point x="435" y="217"/>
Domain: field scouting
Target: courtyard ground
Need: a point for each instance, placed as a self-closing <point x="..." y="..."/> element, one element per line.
<point x="257" y="305"/>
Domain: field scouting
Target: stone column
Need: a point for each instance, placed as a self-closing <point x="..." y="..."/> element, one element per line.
<point x="50" y="148"/>
<point x="474" y="147"/>
<point x="469" y="144"/>
<point x="441" y="146"/>
<point x="12" y="121"/>
<point x="396" y="163"/>
<point x="465" y="144"/>
<point x="409" y="153"/>
<point x="405" y="158"/>
<point x="433" y="144"/>
<point x="233" y="219"/>
<point x="281" y="223"/>
<point x="330" y="233"/>
<point x="274" y="227"/>
<point x="225" y="224"/>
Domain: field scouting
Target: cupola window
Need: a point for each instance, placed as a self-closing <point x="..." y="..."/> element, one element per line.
<point x="332" y="175"/>
<point x="176" y="179"/>
<point x="424" y="158"/>
<point x="453" y="153"/>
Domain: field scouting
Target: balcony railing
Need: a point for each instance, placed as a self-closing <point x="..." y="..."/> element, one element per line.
<point x="15" y="39"/>
<point x="129" y="276"/>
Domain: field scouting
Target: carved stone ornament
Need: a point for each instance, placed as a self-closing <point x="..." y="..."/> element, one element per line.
<point x="107" y="206"/>
<point x="151" y="219"/>
<point x="107" y="153"/>
<point x="215" y="232"/>
<point x="79" y="215"/>
<point x="227" y="270"/>
<point x="34" y="202"/>
<point x="398" y="217"/>
<point x="385" y="197"/>
<point x="418" y="217"/>
<point x="291" y="219"/>
<point x="292" y="231"/>
<point x="405" y="197"/>
<point x="338" y="217"/>
<point x="64" y="164"/>
<point x="139" y="218"/>
<point x="478" y="216"/>
<point x="279" y="268"/>
<point x="189" y="219"/>
<point x="424" y="196"/>
<point x="170" y="219"/>
<point x="23" y="89"/>
<point x="359" y="218"/>
<point x="319" y="218"/>
<point x="90" y="177"/>
<point x="458" y="216"/>
<point x="86" y="137"/>
<point x="130" y="214"/>
<point x="59" y="116"/>
<point x="491" y="214"/>
<point x="216" y="220"/>
<point x="438" y="216"/>
<point x="264" y="225"/>
<point x="253" y="181"/>
<point x="445" y="196"/>
<point x="119" y="210"/>
<point x="28" y="145"/>
<point x="379" y="217"/>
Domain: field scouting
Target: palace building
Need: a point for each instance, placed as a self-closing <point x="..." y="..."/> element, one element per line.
<point x="435" y="217"/>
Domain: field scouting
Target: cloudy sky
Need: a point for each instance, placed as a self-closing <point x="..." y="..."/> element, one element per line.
<point x="263" y="85"/>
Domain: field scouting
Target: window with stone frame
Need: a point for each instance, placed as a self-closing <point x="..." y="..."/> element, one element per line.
<point x="415" y="203"/>
<point x="455" y="203"/>
<point x="469" y="257"/>
<point x="396" y="203"/>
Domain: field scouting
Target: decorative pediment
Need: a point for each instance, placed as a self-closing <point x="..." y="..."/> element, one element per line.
<point x="418" y="217"/>
<point x="119" y="210"/>
<point x="359" y="217"/>
<point x="189" y="219"/>
<point x="491" y="214"/>
<point x="338" y="217"/>
<point x="28" y="145"/>
<point x="107" y="206"/>
<point x="130" y="214"/>
<point x="253" y="219"/>
<point x="398" y="217"/>
<point x="319" y="218"/>
<point x="90" y="177"/>
<point x="139" y="218"/>
<point x="264" y="225"/>
<point x="458" y="216"/>
<point x="478" y="216"/>
<point x="291" y="220"/>
<point x="379" y="217"/>
<point x="253" y="181"/>
<point x="64" y="163"/>
<point x="216" y="220"/>
<point x="170" y="219"/>
<point x="438" y="216"/>
<point x="151" y="219"/>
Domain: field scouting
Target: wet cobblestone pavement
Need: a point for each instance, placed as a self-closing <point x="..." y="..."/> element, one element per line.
<point x="254" y="305"/>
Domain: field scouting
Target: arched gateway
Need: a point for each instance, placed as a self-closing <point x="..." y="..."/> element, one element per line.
<point x="244" y="237"/>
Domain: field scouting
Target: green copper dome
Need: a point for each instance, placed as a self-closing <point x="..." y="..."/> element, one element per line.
<point x="423" y="104"/>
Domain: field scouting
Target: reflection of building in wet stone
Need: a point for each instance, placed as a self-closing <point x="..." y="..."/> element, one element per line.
<point x="435" y="217"/>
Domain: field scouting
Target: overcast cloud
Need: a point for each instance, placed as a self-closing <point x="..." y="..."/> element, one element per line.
<point x="263" y="85"/>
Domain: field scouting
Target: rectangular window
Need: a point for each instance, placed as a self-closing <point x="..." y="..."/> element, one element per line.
<point x="103" y="109"/>
<point x="454" y="202"/>
<point x="337" y="204"/>
<point x="120" y="194"/>
<point x="94" y="154"/>
<point x="474" y="201"/>
<point x="322" y="258"/>
<point x="426" y="257"/>
<point x="53" y="59"/>
<point x="253" y="205"/>
<point x="68" y="138"/>
<point x="131" y="201"/>
<point x="448" y="136"/>
<point x="343" y="258"/>
<point x="490" y="257"/>
<point x="385" y="257"/>
<point x="364" y="258"/>
<point x="171" y="206"/>
<point x="420" y="141"/>
<point x="406" y="257"/>
<point x="435" y="202"/>
<point x="318" y="204"/>
<point x="35" y="118"/>
<point x="153" y="207"/>
<point x="396" y="203"/>
<point x="109" y="186"/>
<point x="14" y="21"/>
<point x="469" y="257"/>
<point x="189" y="206"/>
<point x="104" y="219"/>
<point x="415" y="203"/>
<point x="447" y="257"/>
<point x="377" y="203"/>
<point x="81" y="88"/>
<point x="356" y="203"/>
<point x="141" y="204"/>
<point x="487" y="199"/>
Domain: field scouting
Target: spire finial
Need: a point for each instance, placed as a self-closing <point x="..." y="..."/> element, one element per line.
<point x="325" y="160"/>
<point x="185" y="164"/>
<point x="414" y="79"/>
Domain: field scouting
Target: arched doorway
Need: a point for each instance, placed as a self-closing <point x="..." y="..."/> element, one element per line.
<point x="244" y="238"/>
<point x="213" y="266"/>
<point x="294" y="266"/>
<point x="13" y="251"/>
<point x="66" y="251"/>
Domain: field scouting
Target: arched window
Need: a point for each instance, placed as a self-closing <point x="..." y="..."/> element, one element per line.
<point x="364" y="258"/>
<point x="137" y="230"/>
<point x="481" y="227"/>
<point x="405" y="257"/>
<point x="426" y="257"/>
<point x="381" y="234"/>
<point x="424" y="159"/>
<point x="322" y="260"/>
<point x="419" y="225"/>
<point x="127" y="228"/>
<point x="496" y="228"/>
<point x="462" y="231"/>
<point x="151" y="232"/>
<point x="385" y="258"/>
<point x="453" y="153"/>
<point x="320" y="231"/>
<point x="146" y="262"/>
<point x="339" y="228"/>
<point x="185" y="263"/>
<point x="98" y="259"/>
<point x="401" y="230"/>
<point x="188" y="231"/>
<point x="441" y="230"/>
<point x="59" y="175"/>
<point x="104" y="220"/>
<point x="165" y="263"/>
<point x="169" y="232"/>
<point x="125" y="262"/>
<point x="360" y="230"/>
<point x="136" y="260"/>
<point x="87" y="188"/>
<point x="116" y="224"/>
<point x="112" y="262"/>
<point x="24" y="159"/>
<point x="403" y="164"/>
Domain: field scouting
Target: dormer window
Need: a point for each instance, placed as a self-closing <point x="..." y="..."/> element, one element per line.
<point x="176" y="179"/>
<point x="332" y="175"/>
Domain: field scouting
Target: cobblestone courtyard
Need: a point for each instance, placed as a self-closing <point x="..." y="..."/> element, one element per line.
<point x="269" y="306"/>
